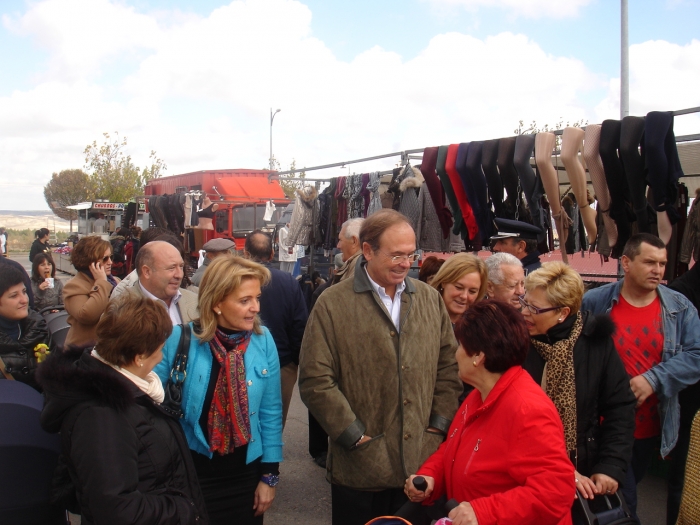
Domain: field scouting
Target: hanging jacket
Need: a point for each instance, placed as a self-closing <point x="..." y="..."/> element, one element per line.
<point x="410" y="206"/>
<point x="301" y="225"/>
<point x="375" y="201"/>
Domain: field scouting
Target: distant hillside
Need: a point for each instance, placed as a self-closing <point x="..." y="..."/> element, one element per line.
<point x="33" y="219"/>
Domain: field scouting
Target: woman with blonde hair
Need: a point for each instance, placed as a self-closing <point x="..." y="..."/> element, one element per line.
<point x="574" y="359"/>
<point x="87" y="294"/>
<point x="461" y="282"/>
<point x="231" y="401"/>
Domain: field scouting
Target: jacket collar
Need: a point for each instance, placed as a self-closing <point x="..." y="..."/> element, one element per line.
<point x="669" y="301"/>
<point x="492" y="398"/>
<point x="361" y="281"/>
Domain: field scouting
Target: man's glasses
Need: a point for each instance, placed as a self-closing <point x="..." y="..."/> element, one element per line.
<point x="108" y="258"/>
<point x="534" y="310"/>
<point x="396" y="259"/>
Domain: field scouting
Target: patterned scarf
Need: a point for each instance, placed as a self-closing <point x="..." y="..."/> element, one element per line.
<point x="561" y="380"/>
<point x="229" y="424"/>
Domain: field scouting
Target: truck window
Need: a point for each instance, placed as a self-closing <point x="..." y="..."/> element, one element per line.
<point x="221" y="222"/>
<point x="243" y="220"/>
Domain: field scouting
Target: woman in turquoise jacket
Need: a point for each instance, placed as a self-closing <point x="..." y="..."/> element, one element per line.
<point x="231" y="395"/>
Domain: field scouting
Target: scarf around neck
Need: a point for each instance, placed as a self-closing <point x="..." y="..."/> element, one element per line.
<point x="561" y="379"/>
<point x="228" y="423"/>
<point x="151" y="386"/>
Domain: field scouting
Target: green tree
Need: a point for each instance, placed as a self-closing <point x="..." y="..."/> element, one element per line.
<point x="67" y="188"/>
<point x="113" y="175"/>
<point x="290" y="186"/>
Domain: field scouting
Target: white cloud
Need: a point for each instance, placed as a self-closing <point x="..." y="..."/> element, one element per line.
<point x="525" y="8"/>
<point x="663" y="77"/>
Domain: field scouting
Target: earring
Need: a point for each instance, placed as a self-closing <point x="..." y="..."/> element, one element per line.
<point x="218" y="313"/>
<point x="140" y="364"/>
<point x="474" y="363"/>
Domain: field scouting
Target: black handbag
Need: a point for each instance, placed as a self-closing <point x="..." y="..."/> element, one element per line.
<point x="172" y="402"/>
<point x="602" y="510"/>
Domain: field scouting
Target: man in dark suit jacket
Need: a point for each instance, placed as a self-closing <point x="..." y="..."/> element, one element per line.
<point x="283" y="311"/>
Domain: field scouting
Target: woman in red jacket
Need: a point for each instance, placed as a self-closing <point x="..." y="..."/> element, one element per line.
<point x="504" y="458"/>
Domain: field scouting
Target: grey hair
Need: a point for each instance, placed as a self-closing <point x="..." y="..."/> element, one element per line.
<point x="494" y="263"/>
<point x="352" y="227"/>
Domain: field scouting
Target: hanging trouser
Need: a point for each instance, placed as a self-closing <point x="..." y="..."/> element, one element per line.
<point x="459" y="227"/>
<point x="437" y="193"/>
<point x="506" y="151"/>
<point x="591" y="154"/>
<point x="631" y="137"/>
<point x="458" y="153"/>
<point x="620" y="209"/>
<point x="489" y="163"/>
<point x="662" y="162"/>
<point x="482" y="204"/>
<point x="529" y="182"/>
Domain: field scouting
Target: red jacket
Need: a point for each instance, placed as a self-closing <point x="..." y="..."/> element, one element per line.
<point x="507" y="456"/>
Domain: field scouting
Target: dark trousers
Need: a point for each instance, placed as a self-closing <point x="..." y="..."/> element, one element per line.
<point x="357" y="507"/>
<point x="631" y="136"/>
<point x="642" y="455"/>
<point x="318" y="439"/>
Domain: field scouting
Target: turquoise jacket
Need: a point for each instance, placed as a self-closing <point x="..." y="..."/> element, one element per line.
<point x="262" y="371"/>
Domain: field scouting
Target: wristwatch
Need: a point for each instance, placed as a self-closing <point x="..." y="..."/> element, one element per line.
<point x="270" y="479"/>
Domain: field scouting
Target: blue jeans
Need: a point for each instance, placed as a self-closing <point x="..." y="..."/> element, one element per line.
<point x="642" y="454"/>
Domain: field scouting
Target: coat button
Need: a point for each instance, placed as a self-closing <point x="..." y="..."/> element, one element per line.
<point x="264" y="372"/>
<point x="407" y="435"/>
<point x="250" y="382"/>
<point x="392" y="333"/>
<point x="406" y="402"/>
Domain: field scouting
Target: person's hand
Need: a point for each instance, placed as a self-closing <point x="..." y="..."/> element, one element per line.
<point x="604" y="484"/>
<point x="97" y="270"/>
<point x="416" y="495"/>
<point x="641" y="389"/>
<point x="264" y="495"/>
<point x="463" y="514"/>
<point x="585" y="485"/>
<point x="43" y="285"/>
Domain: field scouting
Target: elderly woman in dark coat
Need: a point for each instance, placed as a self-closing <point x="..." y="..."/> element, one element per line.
<point x="574" y="359"/>
<point x="127" y="457"/>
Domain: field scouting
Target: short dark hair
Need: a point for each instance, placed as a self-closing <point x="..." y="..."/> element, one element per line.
<point x="259" y="245"/>
<point x="124" y="232"/>
<point x="87" y="251"/>
<point x="128" y="315"/>
<point x="497" y="330"/>
<point x="634" y="245"/>
<point x="151" y="234"/>
<point x="429" y="267"/>
<point x="376" y="224"/>
<point x="38" y="259"/>
<point x="10" y="276"/>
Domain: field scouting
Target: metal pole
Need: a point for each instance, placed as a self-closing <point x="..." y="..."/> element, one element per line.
<point x="272" y="118"/>
<point x="624" y="61"/>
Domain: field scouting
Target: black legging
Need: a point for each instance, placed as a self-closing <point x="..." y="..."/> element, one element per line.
<point x="506" y="151"/>
<point x="617" y="183"/>
<point x="459" y="228"/>
<point x="476" y="175"/>
<point x="530" y="184"/>
<point x="489" y="163"/>
<point x="662" y="161"/>
<point x="631" y="137"/>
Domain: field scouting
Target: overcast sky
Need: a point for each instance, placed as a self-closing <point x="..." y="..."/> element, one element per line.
<point x="195" y="80"/>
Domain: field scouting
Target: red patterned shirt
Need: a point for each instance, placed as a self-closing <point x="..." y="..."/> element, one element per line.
<point x="639" y="340"/>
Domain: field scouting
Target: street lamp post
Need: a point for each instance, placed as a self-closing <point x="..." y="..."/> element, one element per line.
<point x="272" y="118"/>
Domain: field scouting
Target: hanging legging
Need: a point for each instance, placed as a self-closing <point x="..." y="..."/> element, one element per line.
<point x="663" y="162"/>
<point x="489" y="163"/>
<point x="459" y="227"/>
<point x="631" y="137"/>
<point x="437" y="194"/>
<point x="530" y="184"/>
<point x="591" y="147"/>
<point x="482" y="205"/>
<point x="463" y="192"/>
<point x="620" y="208"/>
<point x="506" y="151"/>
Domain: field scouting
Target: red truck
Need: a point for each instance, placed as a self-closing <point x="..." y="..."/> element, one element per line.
<point x="241" y="195"/>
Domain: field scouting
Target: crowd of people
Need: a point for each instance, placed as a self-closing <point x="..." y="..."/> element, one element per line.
<point x="500" y="384"/>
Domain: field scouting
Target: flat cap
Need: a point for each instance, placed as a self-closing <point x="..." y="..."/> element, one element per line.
<point x="508" y="228"/>
<point x="218" y="245"/>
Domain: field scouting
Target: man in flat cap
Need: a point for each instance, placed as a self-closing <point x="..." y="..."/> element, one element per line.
<point x="519" y="239"/>
<point x="213" y="249"/>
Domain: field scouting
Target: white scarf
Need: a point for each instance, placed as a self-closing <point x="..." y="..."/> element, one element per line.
<point x="152" y="386"/>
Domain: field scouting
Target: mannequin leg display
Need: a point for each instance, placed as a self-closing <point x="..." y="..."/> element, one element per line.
<point x="591" y="155"/>
<point x="572" y="143"/>
<point x="631" y="136"/>
<point x="489" y="163"/>
<point x="544" y="144"/>
<point x="664" y="169"/>
<point x="617" y="182"/>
